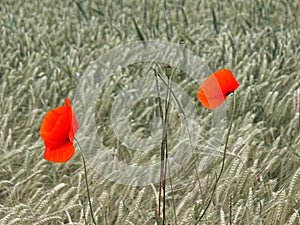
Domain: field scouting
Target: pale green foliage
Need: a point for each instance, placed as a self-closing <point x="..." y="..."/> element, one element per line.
<point x="45" y="46"/>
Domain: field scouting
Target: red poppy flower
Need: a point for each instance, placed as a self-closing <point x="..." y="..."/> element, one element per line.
<point x="57" y="130"/>
<point x="216" y="88"/>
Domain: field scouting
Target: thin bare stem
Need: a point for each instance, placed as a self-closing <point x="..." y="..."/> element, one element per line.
<point x="162" y="153"/>
<point x="173" y="200"/>
<point x="223" y="161"/>
<point x="86" y="182"/>
<point x="165" y="140"/>
<point x="166" y="144"/>
<point x="185" y="119"/>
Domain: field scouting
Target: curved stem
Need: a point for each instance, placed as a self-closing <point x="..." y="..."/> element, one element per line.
<point x="223" y="162"/>
<point x="86" y="181"/>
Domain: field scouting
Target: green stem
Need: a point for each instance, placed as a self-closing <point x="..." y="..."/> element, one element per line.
<point x="86" y="181"/>
<point x="166" y="145"/>
<point x="223" y="162"/>
<point x="166" y="152"/>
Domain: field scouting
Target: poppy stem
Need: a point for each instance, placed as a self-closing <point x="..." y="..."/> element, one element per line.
<point x="164" y="147"/>
<point x="86" y="181"/>
<point x="162" y="152"/>
<point x="223" y="161"/>
<point x="165" y="140"/>
<point x="167" y="104"/>
<point x="166" y="144"/>
<point x="157" y="74"/>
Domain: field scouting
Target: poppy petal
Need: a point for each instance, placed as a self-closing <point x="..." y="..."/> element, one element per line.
<point x="60" y="154"/>
<point x="57" y="130"/>
<point x="72" y="119"/>
<point x="210" y="93"/>
<point x="216" y="88"/>
<point x="227" y="81"/>
<point x="55" y="127"/>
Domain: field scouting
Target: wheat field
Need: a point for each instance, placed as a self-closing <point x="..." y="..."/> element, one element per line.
<point x="45" y="48"/>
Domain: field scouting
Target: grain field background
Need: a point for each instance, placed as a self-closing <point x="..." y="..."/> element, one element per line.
<point x="46" y="46"/>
